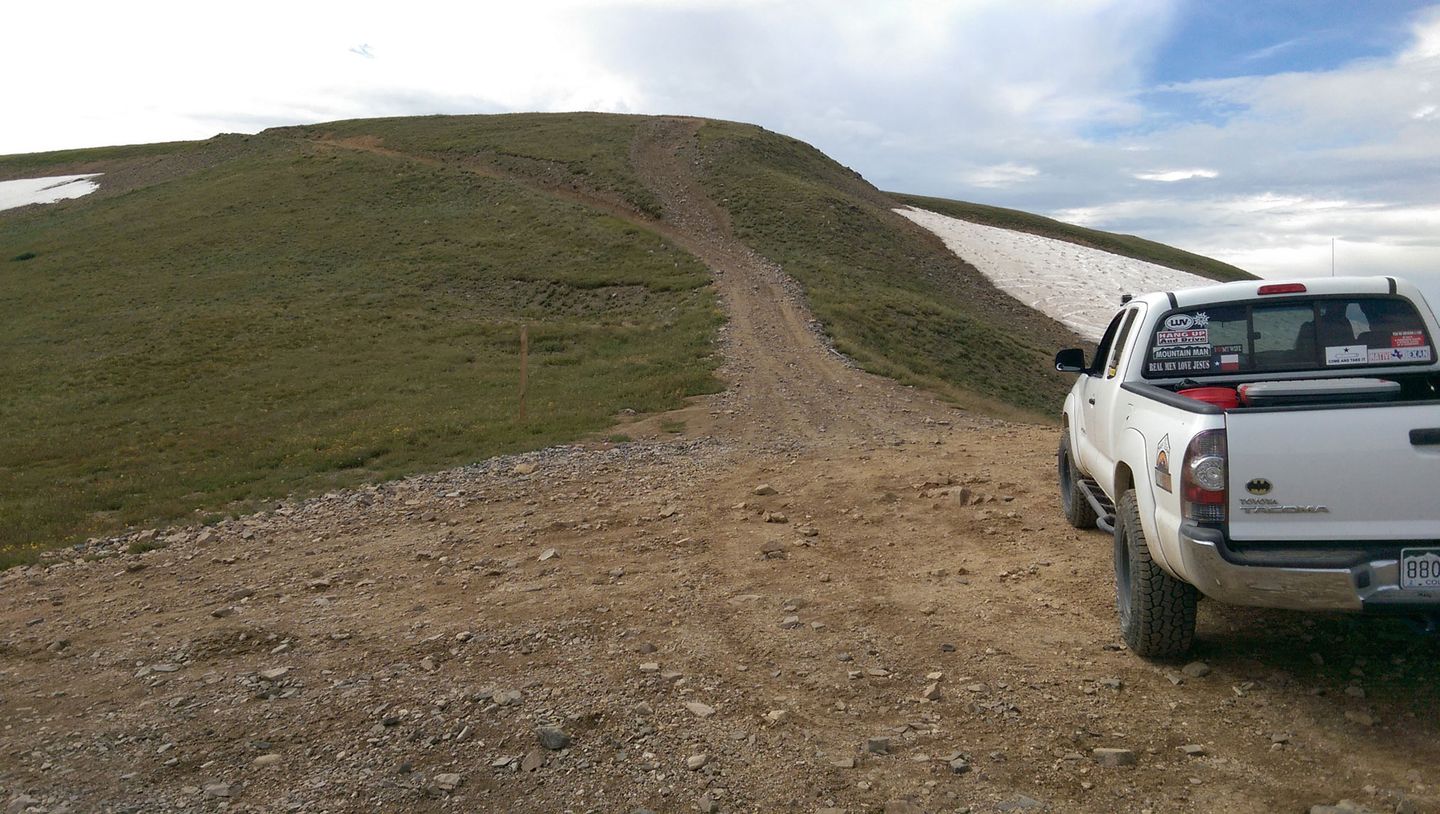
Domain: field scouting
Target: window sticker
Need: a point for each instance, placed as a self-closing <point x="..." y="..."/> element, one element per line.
<point x="1229" y="363"/>
<point x="1229" y="348"/>
<point x="1184" y="322"/>
<point x="1190" y="336"/>
<point x="1181" y="352"/>
<point x="1380" y="356"/>
<point x="1346" y="355"/>
<point x="1407" y="339"/>
<point x="1182" y="366"/>
<point x="1162" y="463"/>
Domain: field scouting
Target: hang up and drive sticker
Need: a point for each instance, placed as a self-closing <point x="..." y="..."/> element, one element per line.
<point x="1189" y="336"/>
<point x="1347" y="355"/>
<point x="1407" y="339"/>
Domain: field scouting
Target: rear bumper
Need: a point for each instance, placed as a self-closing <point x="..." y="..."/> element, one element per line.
<point x="1364" y="586"/>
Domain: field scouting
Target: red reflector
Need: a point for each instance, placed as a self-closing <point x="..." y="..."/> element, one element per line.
<point x="1195" y="494"/>
<point x="1282" y="288"/>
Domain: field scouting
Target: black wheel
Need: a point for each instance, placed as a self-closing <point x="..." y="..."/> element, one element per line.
<point x="1157" y="611"/>
<point x="1072" y="495"/>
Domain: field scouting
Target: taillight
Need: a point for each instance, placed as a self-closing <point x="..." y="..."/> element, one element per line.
<point x="1203" y="477"/>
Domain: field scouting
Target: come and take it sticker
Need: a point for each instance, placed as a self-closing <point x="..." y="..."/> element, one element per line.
<point x="1347" y="355"/>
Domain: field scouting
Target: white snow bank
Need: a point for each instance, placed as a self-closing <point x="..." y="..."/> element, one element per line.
<point x="45" y="190"/>
<point x="1075" y="285"/>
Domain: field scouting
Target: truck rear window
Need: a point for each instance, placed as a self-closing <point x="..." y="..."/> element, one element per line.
<point x="1314" y="334"/>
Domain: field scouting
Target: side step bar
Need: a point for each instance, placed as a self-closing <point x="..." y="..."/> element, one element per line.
<point x="1104" y="509"/>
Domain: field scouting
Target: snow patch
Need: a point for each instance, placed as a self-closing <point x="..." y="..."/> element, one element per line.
<point x="1077" y="286"/>
<point x="26" y="191"/>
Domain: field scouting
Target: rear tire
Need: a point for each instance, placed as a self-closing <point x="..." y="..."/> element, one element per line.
<point x="1072" y="495"/>
<point x="1157" y="611"/>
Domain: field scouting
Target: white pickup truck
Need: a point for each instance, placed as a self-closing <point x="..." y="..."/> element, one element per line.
<point x="1260" y="443"/>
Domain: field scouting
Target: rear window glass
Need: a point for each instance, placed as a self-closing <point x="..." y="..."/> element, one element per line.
<point x="1318" y="334"/>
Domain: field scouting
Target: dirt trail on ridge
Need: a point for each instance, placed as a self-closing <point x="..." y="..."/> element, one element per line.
<point x="829" y="593"/>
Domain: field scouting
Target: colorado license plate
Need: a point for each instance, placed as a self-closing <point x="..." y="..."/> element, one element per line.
<point x="1420" y="568"/>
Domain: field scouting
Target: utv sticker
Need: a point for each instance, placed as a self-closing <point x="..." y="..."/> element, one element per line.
<point x="1346" y="355"/>
<point x="1407" y="339"/>
<point x="1394" y="356"/>
<point x="1182" y="322"/>
<point x="1193" y="336"/>
<point x="1162" y="463"/>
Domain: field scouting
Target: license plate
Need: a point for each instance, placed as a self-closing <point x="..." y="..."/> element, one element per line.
<point x="1420" y="568"/>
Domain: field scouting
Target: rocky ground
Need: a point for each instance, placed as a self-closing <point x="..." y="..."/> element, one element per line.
<point x="831" y="594"/>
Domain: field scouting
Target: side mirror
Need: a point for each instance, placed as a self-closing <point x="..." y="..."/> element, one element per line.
<point x="1070" y="360"/>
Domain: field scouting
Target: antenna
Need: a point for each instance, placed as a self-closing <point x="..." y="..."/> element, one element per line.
<point x="1332" y="257"/>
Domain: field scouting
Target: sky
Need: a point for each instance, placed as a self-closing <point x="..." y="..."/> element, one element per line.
<point x="1259" y="133"/>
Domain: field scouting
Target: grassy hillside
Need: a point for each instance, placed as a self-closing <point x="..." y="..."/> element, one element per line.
<point x="890" y="294"/>
<point x="589" y="151"/>
<point x="1126" y="245"/>
<point x="290" y="317"/>
<point x="233" y="320"/>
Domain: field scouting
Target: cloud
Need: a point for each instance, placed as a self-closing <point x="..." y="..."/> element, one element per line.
<point x="1170" y="176"/>
<point x="1000" y="175"/>
<point x="1044" y="106"/>
<point x="1298" y="158"/>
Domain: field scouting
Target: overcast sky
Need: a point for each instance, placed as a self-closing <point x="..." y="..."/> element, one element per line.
<point x="1250" y="131"/>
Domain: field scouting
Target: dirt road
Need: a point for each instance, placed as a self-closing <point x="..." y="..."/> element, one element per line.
<point x="833" y="594"/>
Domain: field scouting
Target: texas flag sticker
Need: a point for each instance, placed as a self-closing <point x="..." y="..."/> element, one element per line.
<point x="1229" y="363"/>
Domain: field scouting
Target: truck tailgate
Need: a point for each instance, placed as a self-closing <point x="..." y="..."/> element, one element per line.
<point x="1335" y="474"/>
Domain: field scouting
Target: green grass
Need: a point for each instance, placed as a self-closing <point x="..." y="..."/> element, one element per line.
<point x="297" y="318"/>
<point x="25" y="163"/>
<point x="1127" y="245"/>
<point x="890" y="294"/>
<point x="585" y="150"/>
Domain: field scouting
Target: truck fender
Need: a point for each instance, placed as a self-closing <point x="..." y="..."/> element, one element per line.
<point x="1071" y="424"/>
<point x="1132" y="471"/>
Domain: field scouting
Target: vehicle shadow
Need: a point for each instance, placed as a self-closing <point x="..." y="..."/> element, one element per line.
<point x="1362" y="671"/>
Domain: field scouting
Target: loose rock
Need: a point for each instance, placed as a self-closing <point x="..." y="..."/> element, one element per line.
<point x="552" y="737"/>
<point x="1196" y="669"/>
<point x="1114" y="757"/>
<point x="700" y="710"/>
